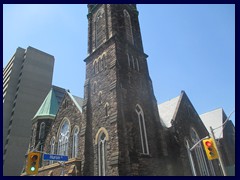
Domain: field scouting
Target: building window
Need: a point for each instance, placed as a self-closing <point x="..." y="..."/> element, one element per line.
<point x="63" y="138"/>
<point x="128" y="26"/>
<point x="100" y="97"/>
<point x="34" y="136"/>
<point x="95" y="66"/>
<point x="100" y="65"/>
<point x="42" y="130"/>
<point x="94" y="87"/>
<point x="104" y="65"/>
<point x="133" y="63"/>
<point x="137" y="65"/>
<point x="129" y="60"/>
<point x="106" y="107"/>
<point x="102" y="154"/>
<point x="52" y="147"/>
<point x="142" y="128"/>
<point x="75" y="142"/>
<point x="200" y="161"/>
<point x="99" y="28"/>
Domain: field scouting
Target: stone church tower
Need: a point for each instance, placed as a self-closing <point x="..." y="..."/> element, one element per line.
<point x="123" y="133"/>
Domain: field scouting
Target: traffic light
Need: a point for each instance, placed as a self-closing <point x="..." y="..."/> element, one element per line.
<point x="32" y="163"/>
<point x="210" y="148"/>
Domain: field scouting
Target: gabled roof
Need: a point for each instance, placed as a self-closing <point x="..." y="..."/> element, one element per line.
<point x="50" y="105"/>
<point x="214" y="119"/>
<point x="167" y="110"/>
<point x="77" y="101"/>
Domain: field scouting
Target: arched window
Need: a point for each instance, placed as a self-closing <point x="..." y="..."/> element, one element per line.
<point x="103" y="63"/>
<point x="95" y="66"/>
<point x="100" y="64"/>
<point x="100" y="97"/>
<point x="94" y="87"/>
<point x="102" y="154"/>
<point x="133" y="63"/>
<point x="200" y="160"/>
<point x="142" y="128"/>
<point x="137" y="64"/>
<point x="63" y="137"/>
<point x="34" y="136"/>
<point x="129" y="60"/>
<point x="128" y="26"/>
<point x="75" y="142"/>
<point x="52" y="147"/>
<point x="42" y="130"/>
<point x="100" y="28"/>
<point x="106" y="109"/>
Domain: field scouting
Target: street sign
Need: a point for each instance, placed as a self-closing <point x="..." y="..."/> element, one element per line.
<point x="54" y="157"/>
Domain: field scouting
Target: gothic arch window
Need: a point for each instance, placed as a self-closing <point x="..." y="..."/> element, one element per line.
<point x="34" y="136"/>
<point x="75" y="142"/>
<point x="106" y="107"/>
<point x="142" y="128"/>
<point x="128" y="26"/>
<point x="100" y="64"/>
<point x="94" y="87"/>
<point x="101" y="141"/>
<point x="103" y="62"/>
<point x="137" y="65"/>
<point x="52" y="147"/>
<point x="99" y="28"/>
<point x="42" y="130"/>
<point x="199" y="154"/>
<point x="100" y="97"/>
<point x="129" y="60"/>
<point x="95" y="66"/>
<point x="133" y="63"/>
<point x="63" y="137"/>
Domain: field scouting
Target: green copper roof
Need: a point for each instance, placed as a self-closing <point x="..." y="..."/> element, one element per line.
<point x="49" y="106"/>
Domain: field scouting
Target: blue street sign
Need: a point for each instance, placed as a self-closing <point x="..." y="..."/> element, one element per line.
<point x="54" y="157"/>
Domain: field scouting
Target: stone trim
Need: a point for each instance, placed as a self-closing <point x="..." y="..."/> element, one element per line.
<point x="99" y="131"/>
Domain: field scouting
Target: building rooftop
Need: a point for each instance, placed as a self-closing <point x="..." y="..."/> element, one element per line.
<point x="51" y="103"/>
<point x="214" y="119"/>
<point x="166" y="111"/>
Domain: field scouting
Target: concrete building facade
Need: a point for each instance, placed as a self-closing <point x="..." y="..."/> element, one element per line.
<point x="27" y="78"/>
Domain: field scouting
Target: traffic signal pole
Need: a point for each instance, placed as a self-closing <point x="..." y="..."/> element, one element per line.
<point x="219" y="154"/>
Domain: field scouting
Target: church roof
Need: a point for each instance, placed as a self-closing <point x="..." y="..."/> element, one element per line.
<point x="214" y="119"/>
<point x="167" y="110"/>
<point x="77" y="101"/>
<point x="50" y="105"/>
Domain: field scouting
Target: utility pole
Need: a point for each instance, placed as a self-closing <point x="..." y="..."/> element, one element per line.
<point x="62" y="164"/>
<point x="219" y="154"/>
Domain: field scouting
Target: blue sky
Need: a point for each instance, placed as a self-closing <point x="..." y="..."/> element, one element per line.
<point x="190" y="47"/>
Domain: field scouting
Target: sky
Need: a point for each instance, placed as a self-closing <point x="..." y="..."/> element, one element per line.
<point x="190" y="47"/>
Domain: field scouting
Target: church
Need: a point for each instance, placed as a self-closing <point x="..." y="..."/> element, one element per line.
<point x="118" y="129"/>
